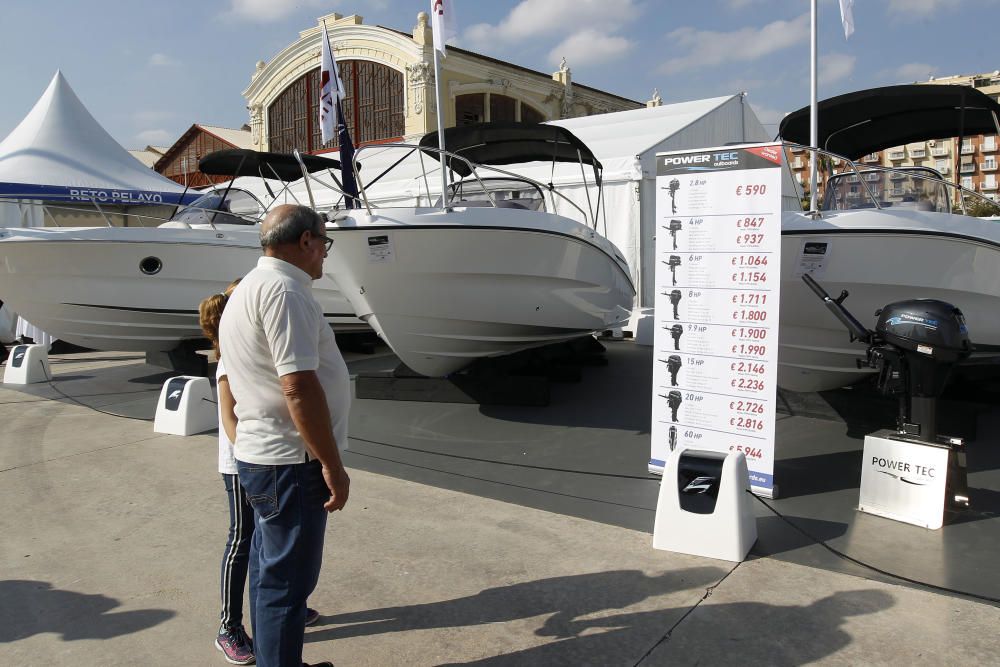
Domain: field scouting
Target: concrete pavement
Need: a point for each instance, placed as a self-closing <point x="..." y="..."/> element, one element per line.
<point x="112" y="535"/>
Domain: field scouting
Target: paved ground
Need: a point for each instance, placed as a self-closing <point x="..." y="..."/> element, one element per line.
<point x="111" y="537"/>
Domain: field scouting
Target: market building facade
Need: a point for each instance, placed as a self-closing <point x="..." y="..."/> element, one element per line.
<point x="388" y="77"/>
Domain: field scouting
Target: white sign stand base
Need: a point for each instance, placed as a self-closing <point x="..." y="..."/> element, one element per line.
<point x="904" y="480"/>
<point x="28" y="364"/>
<point x="729" y="528"/>
<point x="187" y="406"/>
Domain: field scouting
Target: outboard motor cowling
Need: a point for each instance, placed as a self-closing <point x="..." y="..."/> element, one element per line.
<point x="922" y="340"/>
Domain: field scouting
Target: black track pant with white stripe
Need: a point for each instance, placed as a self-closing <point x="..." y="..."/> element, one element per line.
<point x="236" y="559"/>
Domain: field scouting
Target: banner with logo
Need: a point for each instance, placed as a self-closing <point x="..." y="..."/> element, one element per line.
<point x="718" y="264"/>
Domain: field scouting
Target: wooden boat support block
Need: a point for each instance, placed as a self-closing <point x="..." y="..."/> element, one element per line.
<point x="496" y="390"/>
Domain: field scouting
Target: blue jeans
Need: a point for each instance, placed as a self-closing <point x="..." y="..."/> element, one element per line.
<point x="291" y="523"/>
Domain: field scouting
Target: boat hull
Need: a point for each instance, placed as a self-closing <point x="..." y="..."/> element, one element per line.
<point x="446" y="289"/>
<point x="86" y="286"/>
<point x="879" y="259"/>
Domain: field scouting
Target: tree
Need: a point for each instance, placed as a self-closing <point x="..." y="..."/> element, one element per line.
<point x="981" y="208"/>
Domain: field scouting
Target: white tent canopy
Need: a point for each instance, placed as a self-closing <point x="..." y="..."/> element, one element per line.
<point x="59" y="152"/>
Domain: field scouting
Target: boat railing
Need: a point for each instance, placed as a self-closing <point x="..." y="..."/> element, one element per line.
<point x="476" y="172"/>
<point x="871" y="198"/>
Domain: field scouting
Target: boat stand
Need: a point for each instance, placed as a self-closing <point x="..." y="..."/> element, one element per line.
<point x="518" y="379"/>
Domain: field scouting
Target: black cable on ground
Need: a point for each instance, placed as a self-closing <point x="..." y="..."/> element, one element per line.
<point x="507" y="463"/>
<point x="91" y="407"/>
<point x="493" y="481"/>
<point x="886" y="573"/>
<point x="668" y="633"/>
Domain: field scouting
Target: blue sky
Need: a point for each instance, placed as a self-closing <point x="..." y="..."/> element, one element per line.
<point x="148" y="70"/>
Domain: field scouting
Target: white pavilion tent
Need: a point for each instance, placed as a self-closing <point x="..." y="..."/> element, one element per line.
<point x="59" y="154"/>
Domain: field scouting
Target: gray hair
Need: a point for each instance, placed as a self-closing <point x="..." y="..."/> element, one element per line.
<point x="285" y="224"/>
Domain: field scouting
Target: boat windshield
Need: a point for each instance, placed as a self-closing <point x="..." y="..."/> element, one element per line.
<point x="238" y="207"/>
<point x="506" y="192"/>
<point x="919" y="188"/>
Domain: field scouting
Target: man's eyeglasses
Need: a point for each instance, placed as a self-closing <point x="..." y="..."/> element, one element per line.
<point x="327" y="241"/>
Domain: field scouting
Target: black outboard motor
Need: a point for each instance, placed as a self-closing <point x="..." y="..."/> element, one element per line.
<point x="921" y="341"/>
<point x="914" y="347"/>
<point x="675" y="332"/>
<point x="675" y="299"/>
<point x="672" y="438"/>
<point x="673" y="263"/>
<point x="674" y="400"/>
<point x="673" y="187"/>
<point x="673" y="366"/>
<point x="675" y="226"/>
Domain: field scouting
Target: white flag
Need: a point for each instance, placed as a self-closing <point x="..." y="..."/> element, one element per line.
<point x="847" y="17"/>
<point x="331" y="91"/>
<point x="442" y="22"/>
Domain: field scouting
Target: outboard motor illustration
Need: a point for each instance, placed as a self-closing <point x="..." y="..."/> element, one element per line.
<point x="673" y="366"/>
<point x="672" y="438"/>
<point x="673" y="263"/>
<point x="673" y="187"/>
<point x="675" y="226"/>
<point x="675" y="299"/>
<point x="675" y="333"/>
<point x="674" y="400"/>
<point x="914" y="347"/>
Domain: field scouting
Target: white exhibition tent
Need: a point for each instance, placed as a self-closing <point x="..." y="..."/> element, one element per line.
<point x="60" y="153"/>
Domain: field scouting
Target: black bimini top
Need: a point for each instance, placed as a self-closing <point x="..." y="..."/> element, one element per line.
<point x="510" y="143"/>
<point x="859" y="123"/>
<point x="244" y="162"/>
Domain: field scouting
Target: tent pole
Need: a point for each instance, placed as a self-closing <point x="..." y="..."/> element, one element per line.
<point x="813" y="119"/>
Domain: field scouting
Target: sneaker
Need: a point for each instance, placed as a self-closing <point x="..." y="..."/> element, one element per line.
<point x="236" y="646"/>
<point x="311" y="615"/>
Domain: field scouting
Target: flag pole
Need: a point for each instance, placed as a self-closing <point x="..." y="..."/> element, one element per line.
<point x="813" y="119"/>
<point x="440" y="124"/>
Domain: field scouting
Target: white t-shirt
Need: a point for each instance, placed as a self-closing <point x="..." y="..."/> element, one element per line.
<point x="227" y="463"/>
<point x="272" y="326"/>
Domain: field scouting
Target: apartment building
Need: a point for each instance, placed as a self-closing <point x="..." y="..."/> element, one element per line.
<point x="973" y="164"/>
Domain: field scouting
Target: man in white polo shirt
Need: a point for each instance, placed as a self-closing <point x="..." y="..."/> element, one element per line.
<point x="292" y="393"/>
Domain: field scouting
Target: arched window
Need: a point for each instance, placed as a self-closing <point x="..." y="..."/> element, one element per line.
<point x="472" y="108"/>
<point x="531" y="115"/>
<point x="374" y="108"/>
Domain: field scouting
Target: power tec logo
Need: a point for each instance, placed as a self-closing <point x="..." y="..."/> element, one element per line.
<point x="703" y="161"/>
<point x="907" y="472"/>
<point x="682" y="160"/>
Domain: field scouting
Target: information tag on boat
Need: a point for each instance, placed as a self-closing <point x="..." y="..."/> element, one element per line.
<point x="380" y="249"/>
<point x="718" y="264"/>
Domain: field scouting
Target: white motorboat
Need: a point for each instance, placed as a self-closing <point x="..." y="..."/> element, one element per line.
<point x="491" y="272"/>
<point x="138" y="288"/>
<point x="885" y="235"/>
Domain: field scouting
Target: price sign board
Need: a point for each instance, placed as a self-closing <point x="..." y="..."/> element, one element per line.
<point x="718" y="264"/>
